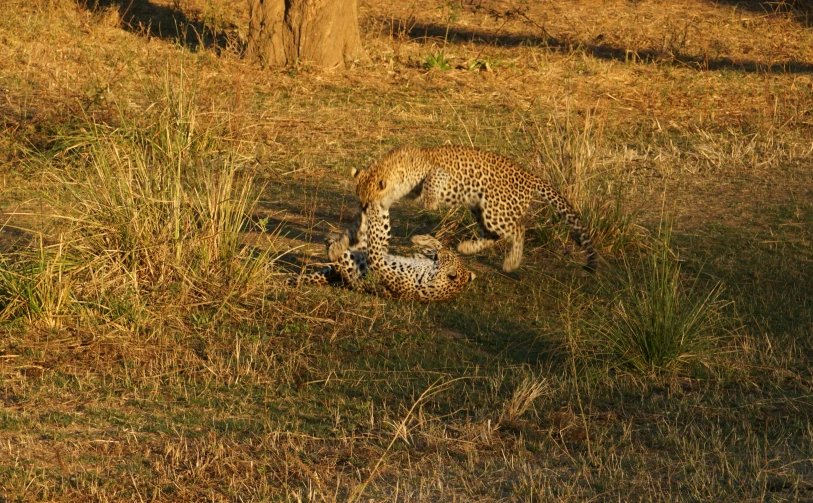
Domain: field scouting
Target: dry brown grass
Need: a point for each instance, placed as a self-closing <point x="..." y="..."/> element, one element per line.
<point x="179" y="369"/>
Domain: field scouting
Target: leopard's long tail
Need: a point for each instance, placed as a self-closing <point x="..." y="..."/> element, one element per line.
<point x="324" y="276"/>
<point x="578" y="232"/>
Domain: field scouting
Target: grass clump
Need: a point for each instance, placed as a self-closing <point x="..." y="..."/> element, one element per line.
<point x="156" y="208"/>
<point x="656" y="321"/>
<point x="573" y="158"/>
<point x="437" y="61"/>
<point x="523" y="397"/>
<point x="37" y="287"/>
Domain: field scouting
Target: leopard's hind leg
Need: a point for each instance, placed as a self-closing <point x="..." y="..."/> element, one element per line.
<point x="349" y="262"/>
<point x="516" y="241"/>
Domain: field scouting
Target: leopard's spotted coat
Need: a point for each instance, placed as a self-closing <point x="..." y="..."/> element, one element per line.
<point x="496" y="190"/>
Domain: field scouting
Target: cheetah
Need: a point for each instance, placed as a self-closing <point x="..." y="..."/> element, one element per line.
<point x="495" y="189"/>
<point x="433" y="274"/>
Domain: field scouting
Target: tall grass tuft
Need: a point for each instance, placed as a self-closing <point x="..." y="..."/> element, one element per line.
<point x="657" y="321"/>
<point x="571" y="154"/>
<point x="156" y="207"/>
<point x="522" y="398"/>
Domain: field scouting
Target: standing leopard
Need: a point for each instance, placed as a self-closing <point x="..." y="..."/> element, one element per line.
<point x="496" y="190"/>
<point x="433" y="274"/>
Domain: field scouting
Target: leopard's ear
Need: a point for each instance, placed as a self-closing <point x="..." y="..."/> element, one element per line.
<point x="472" y="276"/>
<point x="382" y="184"/>
<point x="354" y="173"/>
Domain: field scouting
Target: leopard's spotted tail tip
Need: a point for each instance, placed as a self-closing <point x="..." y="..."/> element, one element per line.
<point x="592" y="263"/>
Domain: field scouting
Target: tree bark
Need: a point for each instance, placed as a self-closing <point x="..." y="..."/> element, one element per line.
<point x="324" y="33"/>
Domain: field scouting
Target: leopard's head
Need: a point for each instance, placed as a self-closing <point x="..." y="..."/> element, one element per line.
<point x="457" y="274"/>
<point x="387" y="179"/>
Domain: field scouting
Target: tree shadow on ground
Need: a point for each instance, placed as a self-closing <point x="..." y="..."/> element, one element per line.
<point x="434" y="33"/>
<point x="799" y="10"/>
<point x="303" y="212"/>
<point x="146" y="18"/>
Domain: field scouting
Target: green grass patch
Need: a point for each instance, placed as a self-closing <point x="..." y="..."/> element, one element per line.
<point x="659" y="321"/>
<point x="437" y="61"/>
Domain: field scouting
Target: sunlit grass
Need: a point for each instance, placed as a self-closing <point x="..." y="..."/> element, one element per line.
<point x="154" y="208"/>
<point x="573" y="154"/>
<point x="37" y="286"/>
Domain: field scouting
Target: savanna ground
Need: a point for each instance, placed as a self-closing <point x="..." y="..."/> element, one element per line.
<point x="156" y="189"/>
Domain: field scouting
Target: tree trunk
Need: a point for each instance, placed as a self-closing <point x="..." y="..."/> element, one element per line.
<point x="322" y="32"/>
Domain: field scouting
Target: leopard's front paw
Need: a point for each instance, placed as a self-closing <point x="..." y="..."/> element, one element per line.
<point x="337" y="244"/>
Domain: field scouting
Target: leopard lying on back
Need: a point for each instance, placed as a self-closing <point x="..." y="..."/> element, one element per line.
<point x="431" y="275"/>
<point x="497" y="191"/>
